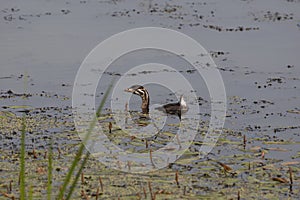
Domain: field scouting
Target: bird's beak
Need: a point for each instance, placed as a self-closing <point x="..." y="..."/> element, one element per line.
<point x="128" y="90"/>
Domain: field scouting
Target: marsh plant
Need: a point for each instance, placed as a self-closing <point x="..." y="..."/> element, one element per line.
<point x="67" y="188"/>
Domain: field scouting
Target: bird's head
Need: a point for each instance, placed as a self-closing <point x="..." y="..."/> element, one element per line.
<point x="137" y="89"/>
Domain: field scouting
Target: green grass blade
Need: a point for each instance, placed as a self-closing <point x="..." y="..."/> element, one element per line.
<point x="82" y="146"/>
<point x="22" y="161"/>
<point x="30" y="193"/>
<point x="69" y="195"/>
<point x="50" y="168"/>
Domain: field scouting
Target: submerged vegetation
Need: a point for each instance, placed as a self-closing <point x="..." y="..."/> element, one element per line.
<point x="66" y="171"/>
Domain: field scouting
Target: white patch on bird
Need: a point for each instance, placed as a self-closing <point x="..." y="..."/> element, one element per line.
<point x="140" y="91"/>
<point x="182" y="102"/>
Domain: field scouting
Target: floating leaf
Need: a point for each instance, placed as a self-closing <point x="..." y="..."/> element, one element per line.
<point x="226" y="167"/>
<point x="277" y="149"/>
<point x="290" y="163"/>
<point x="281" y="180"/>
<point x="19" y="107"/>
<point x="294" y="111"/>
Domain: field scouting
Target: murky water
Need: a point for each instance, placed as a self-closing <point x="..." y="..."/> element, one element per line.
<point x="255" y="45"/>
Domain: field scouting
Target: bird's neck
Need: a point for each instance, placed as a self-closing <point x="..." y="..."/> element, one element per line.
<point x="145" y="102"/>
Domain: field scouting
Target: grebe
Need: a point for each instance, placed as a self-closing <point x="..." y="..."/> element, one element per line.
<point x="178" y="108"/>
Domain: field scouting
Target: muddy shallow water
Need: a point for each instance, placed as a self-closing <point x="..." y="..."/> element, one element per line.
<point x="254" y="45"/>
